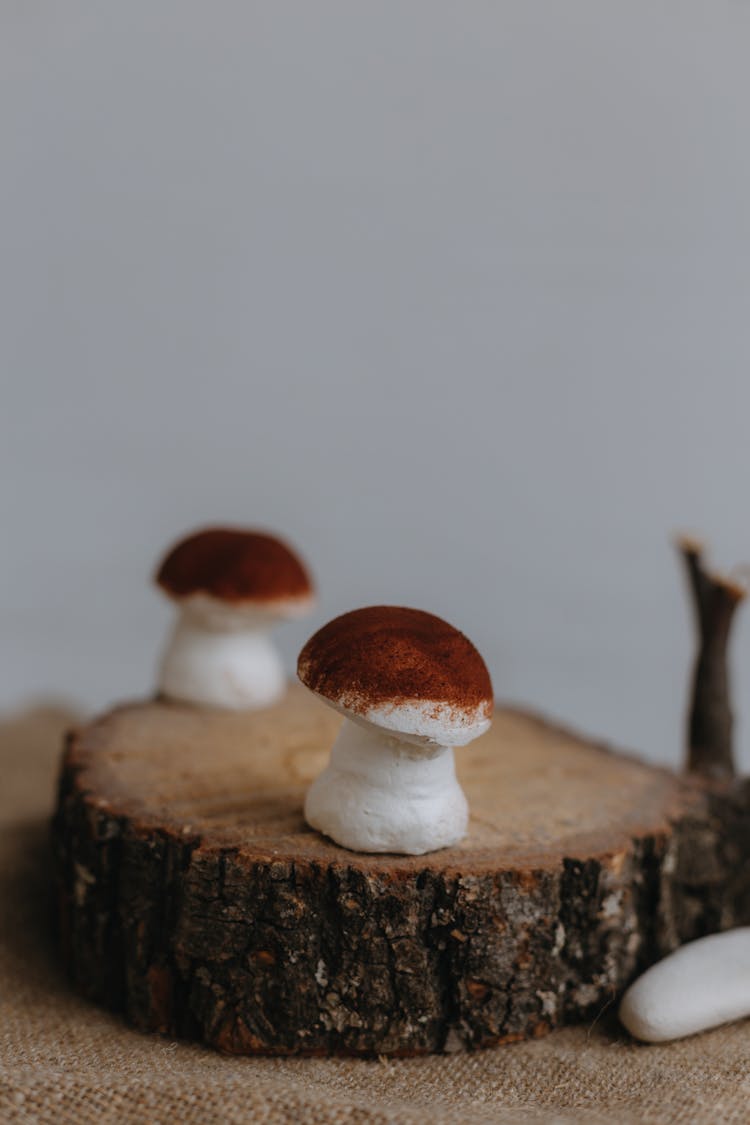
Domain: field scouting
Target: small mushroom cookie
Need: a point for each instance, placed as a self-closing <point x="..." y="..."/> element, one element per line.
<point x="410" y="687"/>
<point x="231" y="587"/>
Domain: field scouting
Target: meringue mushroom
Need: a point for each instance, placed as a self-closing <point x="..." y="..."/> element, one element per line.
<point x="410" y="687"/>
<point x="231" y="587"/>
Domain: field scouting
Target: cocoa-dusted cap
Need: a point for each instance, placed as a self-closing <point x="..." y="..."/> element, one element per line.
<point x="402" y="669"/>
<point x="235" y="566"/>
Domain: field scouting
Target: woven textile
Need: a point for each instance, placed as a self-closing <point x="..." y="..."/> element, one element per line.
<point x="64" y="1060"/>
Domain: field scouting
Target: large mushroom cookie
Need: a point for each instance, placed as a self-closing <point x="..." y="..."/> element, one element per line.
<point x="410" y="687"/>
<point x="231" y="587"/>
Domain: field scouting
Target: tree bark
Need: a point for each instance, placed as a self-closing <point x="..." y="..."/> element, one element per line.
<point x="715" y="599"/>
<point x="193" y="898"/>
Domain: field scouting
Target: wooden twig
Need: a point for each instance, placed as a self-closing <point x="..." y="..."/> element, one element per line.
<point x="715" y="598"/>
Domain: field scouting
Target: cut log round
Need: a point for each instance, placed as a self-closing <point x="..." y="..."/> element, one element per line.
<point x="193" y="897"/>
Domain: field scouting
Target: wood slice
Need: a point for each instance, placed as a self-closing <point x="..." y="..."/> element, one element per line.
<point x="193" y="897"/>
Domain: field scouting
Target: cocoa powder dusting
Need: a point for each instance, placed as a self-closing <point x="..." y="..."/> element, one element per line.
<point x="235" y="566"/>
<point x="390" y="654"/>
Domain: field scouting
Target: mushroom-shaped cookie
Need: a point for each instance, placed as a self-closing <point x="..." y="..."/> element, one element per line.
<point x="231" y="587"/>
<point x="410" y="687"/>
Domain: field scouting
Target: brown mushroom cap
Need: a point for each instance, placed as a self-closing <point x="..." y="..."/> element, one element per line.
<point x="234" y="566"/>
<point x="382" y="659"/>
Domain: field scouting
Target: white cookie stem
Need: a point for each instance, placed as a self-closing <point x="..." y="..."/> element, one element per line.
<point x="380" y="793"/>
<point x="235" y="668"/>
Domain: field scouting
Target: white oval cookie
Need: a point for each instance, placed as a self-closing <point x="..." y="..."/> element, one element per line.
<point x="701" y="985"/>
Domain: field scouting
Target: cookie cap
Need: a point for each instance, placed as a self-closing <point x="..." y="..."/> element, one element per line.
<point x="403" y="670"/>
<point x="234" y="566"/>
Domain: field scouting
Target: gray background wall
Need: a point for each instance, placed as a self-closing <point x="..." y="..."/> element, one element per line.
<point x="454" y="295"/>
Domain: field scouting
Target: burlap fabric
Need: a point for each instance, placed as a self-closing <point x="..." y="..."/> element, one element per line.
<point x="63" y="1060"/>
